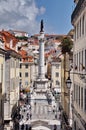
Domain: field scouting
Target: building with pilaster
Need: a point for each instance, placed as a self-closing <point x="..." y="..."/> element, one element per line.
<point x="2" y="81"/>
<point x="78" y="20"/>
<point x="56" y="74"/>
<point x="11" y="78"/>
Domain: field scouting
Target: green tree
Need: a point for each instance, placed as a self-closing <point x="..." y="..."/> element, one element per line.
<point x="66" y="45"/>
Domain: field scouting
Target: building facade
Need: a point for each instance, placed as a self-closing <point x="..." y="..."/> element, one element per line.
<point x="10" y="70"/>
<point x="78" y="20"/>
<point x="2" y="83"/>
<point x="56" y="75"/>
<point x="26" y="72"/>
<point x="66" y="89"/>
<point x="65" y="95"/>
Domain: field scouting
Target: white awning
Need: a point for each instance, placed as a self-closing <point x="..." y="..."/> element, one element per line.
<point x="40" y="128"/>
<point x="54" y="122"/>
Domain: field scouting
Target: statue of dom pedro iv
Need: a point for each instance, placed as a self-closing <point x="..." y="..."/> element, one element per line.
<point x="42" y="26"/>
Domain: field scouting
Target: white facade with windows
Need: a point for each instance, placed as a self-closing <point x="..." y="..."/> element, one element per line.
<point x="79" y="90"/>
<point x="25" y="75"/>
<point x="56" y="75"/>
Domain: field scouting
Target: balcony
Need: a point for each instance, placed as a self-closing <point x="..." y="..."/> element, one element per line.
<point x="80" y="5"/>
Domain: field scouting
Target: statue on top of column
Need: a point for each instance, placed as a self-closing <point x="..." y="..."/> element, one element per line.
<point x="42" y="26"/>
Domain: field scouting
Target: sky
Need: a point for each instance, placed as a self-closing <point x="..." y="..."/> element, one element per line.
<point x="25" y="15"/>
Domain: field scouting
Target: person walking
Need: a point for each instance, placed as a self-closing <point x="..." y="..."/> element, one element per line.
<point x="55" y="127"/>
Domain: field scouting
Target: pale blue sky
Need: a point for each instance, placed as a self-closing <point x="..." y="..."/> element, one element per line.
<point x="25" y="15"/>
<point x="57" y="16"/>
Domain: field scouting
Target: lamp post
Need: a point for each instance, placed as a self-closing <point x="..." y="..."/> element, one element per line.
<point x="68" y="83"/>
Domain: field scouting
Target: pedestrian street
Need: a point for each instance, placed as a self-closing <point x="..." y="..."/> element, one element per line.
<point x="42" y="110"/>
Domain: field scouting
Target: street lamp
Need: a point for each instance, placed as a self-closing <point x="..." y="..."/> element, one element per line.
<point x="68" y="83"/>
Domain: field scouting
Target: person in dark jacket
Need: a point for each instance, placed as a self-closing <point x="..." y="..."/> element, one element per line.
<point x="30" y="128"/>
<point x="55" y="127"/>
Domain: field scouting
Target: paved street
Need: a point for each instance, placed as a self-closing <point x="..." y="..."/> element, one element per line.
<point x="40" y="113"/>
<point x="42" y="110"/>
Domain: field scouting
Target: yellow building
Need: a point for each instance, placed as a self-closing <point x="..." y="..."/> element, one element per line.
<point x="66" y="98"/>
<point x="2" y="71"/>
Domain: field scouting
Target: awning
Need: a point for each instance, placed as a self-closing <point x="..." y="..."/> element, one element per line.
<point x="55" y="122"/>
<point x="41" y="128"/>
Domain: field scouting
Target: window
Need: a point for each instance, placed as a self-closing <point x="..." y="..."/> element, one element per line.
<point x="74" y="92"/>
<point x="85" y="60"/>
<point x="20" y="84"/>
<point x="81" y="97"/>
<point x="82" y="57"/>
<point x="80" y="27"/>
<point x="57" y="82"/>
<point x="57" y="66"/>
<point x="20" y="65"/>
<point x="20" y="74"/>
<point x="1" y="72"/>
<point x="26" y="66"/>
<point x="85" y="98"/>
<point x="26" y="74"/>
<point x="75" y="59"/>
<point x="17" y="63"/>
<point x="26" y="83"/>
<point x="75" y="33"/>
<point x="79" y="61"/>
<point x="57" y="74"/>
<point x="12" y="62"/>
<point x="83" y="25"/>
<point x="77" y="30"/>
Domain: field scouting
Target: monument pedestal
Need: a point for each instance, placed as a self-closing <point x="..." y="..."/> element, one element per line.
<point x="41" y="87"/>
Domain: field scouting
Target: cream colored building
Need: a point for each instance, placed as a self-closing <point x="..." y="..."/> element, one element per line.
<point x="56" y="75"/>
<point x="2" y="83"/>
<point x="79" y="91"/>
<point x="11" y="86"/>
<point x="9" y="75"/>
<point x="26" y="72"/>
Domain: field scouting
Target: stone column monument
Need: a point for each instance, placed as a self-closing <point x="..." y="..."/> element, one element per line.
<point x="41" y="83"/>
<point x="41" y="54"/>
